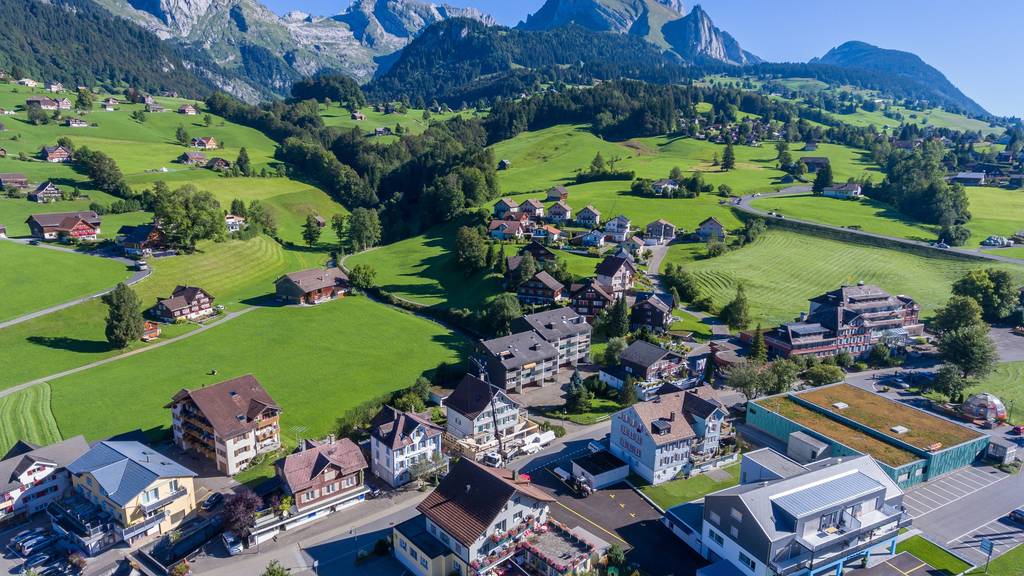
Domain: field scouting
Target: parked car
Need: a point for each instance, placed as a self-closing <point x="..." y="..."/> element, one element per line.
<point x="33" y="242"/>
<point x="35" y="543"/>
<point x="232" y="543"/>
<point x="1018" y="430"/>
<point x="213" y="501"/>
<point x="37" y="560"/>
<point x="26" y="535"/>
<point x="1017" y="515"/>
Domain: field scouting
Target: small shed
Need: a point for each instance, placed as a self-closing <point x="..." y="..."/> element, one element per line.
<point x="1001" y="450"/>
<point x="804" y="448"/>
<point x="601" y="469"/>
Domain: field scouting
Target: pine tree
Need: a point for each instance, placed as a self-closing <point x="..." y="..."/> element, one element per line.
<point x="618" y="320"/>
<point x="181" y="135"/>
<point x="124" y="316"/>
<point x="243" y="163"/>
<point x="823" y="179"/>
<point x="311" y="230"/>
<point x="501" y="263"/>
<point x="737" y="313"/>
<point x="728" y="158"/>
<point x="491" y="255"/>
<point x="627" y="396"/>
<point x="758" y="348"/>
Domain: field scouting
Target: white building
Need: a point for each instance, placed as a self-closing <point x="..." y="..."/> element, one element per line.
<point x="618" y="228"/>
<point x="479" y="412"/>
<point x="32" y="476"/>
<point x="400" y="443"/>
<point x="848" y="191"/>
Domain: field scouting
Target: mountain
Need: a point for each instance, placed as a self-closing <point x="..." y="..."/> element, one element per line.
<point x="663" y="23"/>
<point x="939" y="89"/>
<point x="79" y="44"/>
<point x="268" y="52"/>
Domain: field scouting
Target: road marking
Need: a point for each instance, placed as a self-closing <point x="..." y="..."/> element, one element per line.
<point x="592" y="523"/>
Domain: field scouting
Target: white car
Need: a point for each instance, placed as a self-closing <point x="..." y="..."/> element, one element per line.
<point x="232" y="543"/>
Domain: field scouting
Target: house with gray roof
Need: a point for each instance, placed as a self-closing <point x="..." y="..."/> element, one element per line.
<point x="403" y="444"/>
<point x="519" y="360"/>
<point x="564" y="329"/>
<point x="33" y="476"/>
<point x="794" y="520"/>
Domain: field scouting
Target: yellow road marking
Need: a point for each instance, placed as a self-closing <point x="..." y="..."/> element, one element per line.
<point x="591" y="522"/>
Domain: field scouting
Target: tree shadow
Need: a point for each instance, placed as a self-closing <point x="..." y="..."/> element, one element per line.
<point x="72" y="344"/>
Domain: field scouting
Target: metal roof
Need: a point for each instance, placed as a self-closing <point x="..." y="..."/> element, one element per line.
<point x="827" y="494"/>
<point x="125" y="469"/>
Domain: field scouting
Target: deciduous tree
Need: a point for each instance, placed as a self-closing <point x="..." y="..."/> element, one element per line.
<point x="311" y="230"/>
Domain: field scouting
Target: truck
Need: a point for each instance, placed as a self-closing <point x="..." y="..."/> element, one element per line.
<point x="493" y="459"/>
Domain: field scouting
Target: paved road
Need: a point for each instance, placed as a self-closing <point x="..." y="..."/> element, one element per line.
<point x="744" y="205"/>
<point x="136" y="277"/>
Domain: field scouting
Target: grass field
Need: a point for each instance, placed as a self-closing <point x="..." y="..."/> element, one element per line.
<point x="412" y="120"/>
<point x="869" y="215"/>
<point x="674" y="492"/>
<point x="944" y="563"/>
<point x="687" y="323"/>
<point x="26" y="415"/>
<point x="46" y="277"/>
<point x="783" y="269"/>
<point x="1006" y="382"/>
<point x="1009" y="564"/>
<point x="316" y="363"/>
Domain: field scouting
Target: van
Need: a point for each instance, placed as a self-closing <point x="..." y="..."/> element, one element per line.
<point x="232" y="543"/>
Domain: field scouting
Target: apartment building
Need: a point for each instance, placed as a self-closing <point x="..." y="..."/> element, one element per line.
<point x="563" y="328"/>
<point x="519" y="360"/>
<point x="31" y="477"/>
<point x="403" y="444"/>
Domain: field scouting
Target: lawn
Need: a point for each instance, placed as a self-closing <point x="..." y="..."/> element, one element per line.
<point x="1006" y="382"/>
<point x="316" y="362"/>
<point x="47" y="277"/>
<point x="674" y="492"/>
<point x="26" y="416"/>
<point x="945" y="563"/>
<point x="865" y="214"/>
<point x="783" y="269"/>
<point x="600" y="409"/>
<point x="994" y="211"/>
<point x="699" y="330"/>
<point x="1009" y="564"/>
<point x="412" y="121"/>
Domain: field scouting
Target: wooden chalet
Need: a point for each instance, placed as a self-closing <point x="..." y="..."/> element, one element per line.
<point x="311" y="286"/>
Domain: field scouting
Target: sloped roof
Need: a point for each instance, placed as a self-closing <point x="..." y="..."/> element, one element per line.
<point x="472" y="396"/>
<point x="664" y="413"/>
<point x="24" y="455"/>
<point x="301" y="469"/>
<point x="548" y="281"/>
<point x="232" y="405"/>
<point x="612" y="264"/>
<point x="313" y="279"/>
<point x="183" y="297"/>
<point x="54" y="219"/>
<point x="643" y="353"/>
<point x="124" y="469"/>
<point x="393" y="428"/>
<point x="592" y="283"/>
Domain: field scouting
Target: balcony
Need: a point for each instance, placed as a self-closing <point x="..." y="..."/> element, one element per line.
<point x="147" y="508"/>
<point x="136" y="529"/>
<point x="820" y="549"/>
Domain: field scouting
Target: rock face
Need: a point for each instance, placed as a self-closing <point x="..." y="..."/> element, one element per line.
<point x="264" y="53"/>
<point x="664" y="23"/>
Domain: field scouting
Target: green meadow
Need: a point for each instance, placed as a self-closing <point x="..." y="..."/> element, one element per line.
<point x="866" y="214"/>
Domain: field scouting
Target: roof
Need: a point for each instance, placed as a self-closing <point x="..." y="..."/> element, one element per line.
<point x="971" y="175"/>
<point x="472" y="396"/>
<point x="23" y="456"/>
<point x="820" y="496"/>
<point x="183" y="297"/>
<point x="471" y="496"/>
<point x="656" y="300"/>
<point x="663" y="418"/>
<point x="301" y="469"/>
<point x="643" y="353"/>
<point x="55" y="219"/>
<point x="560" y="206"/>
<point x="231" y="406"/>
<point x="592" y="283"/>
<point x="599" y="462"/>
<point x="548" y="281"/>
<point x="313" y="279"/>
<point x="533" y="203"/>
<point x="124" y="469"/>
<point x="814" y="159"/>
<point x="135" y="234"/>
<point x="611" y="265"/>
<point x="414" y="530"/>
<point x="509" y="226"/>
<point x="518" y="349"/>
<point x="508" y="202"/>
<point x="848" y="186"/>
<point x="553" y="325"/>
<point x="661" y="222"/>
<point x="773" y="461"/>
<point x="711" y="220"/>
<point x="588" y="208"/>
<point x="393" y="428"/>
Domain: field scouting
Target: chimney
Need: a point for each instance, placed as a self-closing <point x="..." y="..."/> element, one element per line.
<point x="803" y="317"/>
<point x="672" y="416"/>
<point x="515" y="474"/>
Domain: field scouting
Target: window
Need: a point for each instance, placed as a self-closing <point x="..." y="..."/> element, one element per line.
<point x="736" y="515"/>
<point x="714" y="517"/>
<point x="413" y="553"/>
<point x="734" y="532"/>
<point x="309" y="495"/>
<point x="423" y="562"/>
<point x="174" y="485"/>
<point x="716" y="537"/>
<point x="747" y="561"/>
<point x="150" y="495"/>
<point x="401" y="544"/>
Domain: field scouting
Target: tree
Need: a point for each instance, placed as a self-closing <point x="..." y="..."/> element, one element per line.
<point x="239" y="512"/>
<point x="597" y="165"/>
<point x="238" y="207"/>
<point x="628" y="396"/>
<point x="821" y="374"/>
<point x="993" y="289"/>
<point x="745" y="377"/>
<point x="208" y="121"/>
<point x="362" y="276"/>
<point x="616" y="556"/>
<point x="823" y="179"/>
<point x="338" y="225"/>
<point x="103" y="171"/>
<point x="676" y="173"/>
<point x="880" y="355"/>
<point x="243" y="163"/>
<point x="618" y="318"/>
<point x="613" y="351"/>
<point x="728" y="158"/>
<point x="311" y="230"/>
<point x="364" y="229"/>
<point x="37" y="116"/>
<point x="950" y="382"/>
<point x="579" y="399"/>
<point x="470" y="253"/>
<point x="181" y="136"/>
<point x="84" y="100"/>
<point x="188" y="216"/>
<point x="275" y="569"/>
<point x="124" y="316"/>
<point x="780" y="376"/>
<point x="970" y="349"/>
<point x="758" y="348"/>
<point x="491" y="255"/>
<point x="959" y="311"/>
<point x="736" y="314"/>
<point x="502" y="311"/>
<point x="526" y="269"/>
<point x="139" y="116"/>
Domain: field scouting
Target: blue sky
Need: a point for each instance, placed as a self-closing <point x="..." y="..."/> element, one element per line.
<point x="975" y="44"/>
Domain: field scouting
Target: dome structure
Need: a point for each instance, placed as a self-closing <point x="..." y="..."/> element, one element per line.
<point x="985" y="406"/>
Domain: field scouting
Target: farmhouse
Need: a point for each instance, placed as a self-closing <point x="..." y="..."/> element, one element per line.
<point x="31" y="476"/>
<point x="13" y="180"/>
<point x="665" y="187"/>
<point x="519" y="360"/>
<point x="403" y="444"/>
<point x="814" y="163"/>
<point x="382" y="131"/>
<point x="589" y="298"/>
<point x="616" y="274"/>
<point x="54" y="87"/>
<point x="505" y="230"/>
<point x="651" y="311"/>
<point x="970" y="178"/>
<point x="532" y="208"/>
<point x="76" y="123"/>
<point x="229" y="423"/>
<point x="107" y="107"/>
<point x="66" y="226"/>
<point x="784" y="518"/>
<point x="193" y="159"/>
<point x="541" y="289"/>
<point x="617" y="228"/>
<point x="45" y="192"/>
<point x="504" y="207"/>
<point x="219" y="164"/>
<point x="154" y="107"/>
<point x="184" y="303"/>
<point x="504" y="164"/>
<point x="660" y="231"/>
<point x="141" y="240"/>
<point x="311" y="286"/>
<point x="234" y="223"/>
<point x="187" y="109"/>
<point x="357" y="116"/>
<point x="558" y="193"/>
<point x="710" y="229"/>
<point x="323" y="477"/>
<point x="28" y="82"/>
<point x="851" y="319"/>
<point x="122" y="492"/>
<point x="588" y="217"/>
<point x="666" y="436"/>
<point x="56" y="154"/>
<point x="205" y="143"/>
<point x="110" y="100"/>
<point x="564" y="329"/>
<point x="848" y="191"/>
<point x="48" y="103"/>
<point x="560" y="212"/>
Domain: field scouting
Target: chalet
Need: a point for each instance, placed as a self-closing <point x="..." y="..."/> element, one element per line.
<point x="588" y="217"/>
<point x="56" y="154"/>
<point x="323" y="477"/>
<point x="153" y="107"/>
<point x="110" y="101"/>
<point x="28" y="82"/>
<point x="559" y="213"/>
<point x="617" y="228"/>
<point x="187" y="109"/>
<point x="148" y="99"/>
<point x="593" y="239"/>
<point x="84" y="225"/>
<point x="541" y="289"/>
<point x="814" y="163"/>
<point x="665" y="187"/>
<point x="184" y="303"/>
<point x="547" y="233"/>
<point x="710" y="229"/>
<point x="541" y="254"/>
<point x="54" y="87"/>
<point x="970" y="178"/>
<point x="848" y="191"/>
<point x="589" y="298"/>
<point x="10" y="180"/>
<point x="205" y="143"/>
<point x="107" y="107"/>
<point x="141" y="240"/>
<point x="311" y="286"/>
<point x="644" y="362"/>
<point x="532" y="208"/>
<point x="403" y="444"/>
<point x="234" y="223"/>
<point x="479" y="412"/>
<point x="193" y="159"/>
<point x="31" y="476"/>
<point x="651" y="311"/>
<point x="616" y="274"/>
<point x="504" y="164"/>
<point x="504" y="207"/>
<point x="218" y="164"/>
<point x="558" y="193"/>
<point x="45" y="192"/>
<point x="505" y="230"/>
<point x="231" y="422"/>
<point x="357" y="116"/>
<point x="660" y="231"/>
<point x="382" y="131"/>
<point x="76" y="123"/>
<point x="48" y="103"/>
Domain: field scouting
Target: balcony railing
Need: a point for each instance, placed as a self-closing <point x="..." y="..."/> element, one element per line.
<point x="848" y="544"/>
<point x="147" y="508"/>
<point x="136" y="529"/>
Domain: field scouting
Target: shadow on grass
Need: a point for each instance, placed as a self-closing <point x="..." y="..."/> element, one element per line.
<point x="72" y="344"/>
<point x="264" y="301"/>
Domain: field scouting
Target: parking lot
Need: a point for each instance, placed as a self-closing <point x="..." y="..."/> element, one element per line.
<point x="930" y="496"/>
<point x="1004" y="533"/>
<point x="42" y="550"/>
